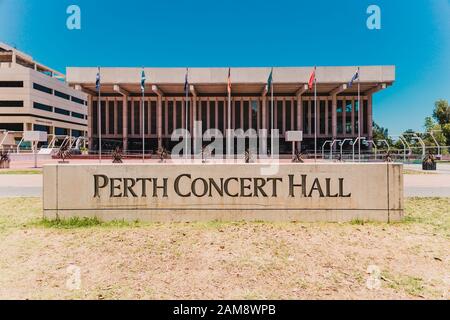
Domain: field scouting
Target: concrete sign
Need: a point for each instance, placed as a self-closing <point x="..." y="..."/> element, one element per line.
<point x="231" y="192"/>
<point x="294" y="136"/>
<point x="35" y="136"/>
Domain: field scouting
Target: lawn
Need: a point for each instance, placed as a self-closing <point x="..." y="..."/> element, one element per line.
<point x="216" y="260"/>
<point x="20" y="171"/>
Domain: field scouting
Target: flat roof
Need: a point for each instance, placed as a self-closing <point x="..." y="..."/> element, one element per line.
<point x="287" y="80"/>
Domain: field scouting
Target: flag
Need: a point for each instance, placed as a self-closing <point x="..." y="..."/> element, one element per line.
<point x="270" y="80"/>
<point x="97" y="80"/>
<point x="312" y="79"/>
<point x="355" y="77"/>
<point x="229" y="80"/>
<point x="143" y="81"/>
<point x="186" y="82"/>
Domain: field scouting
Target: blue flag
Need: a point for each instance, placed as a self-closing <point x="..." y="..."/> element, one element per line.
<point x="270" y="80"/>
<point x="97" y="80"/>
<point x="143" y="81"/>
<point x="355" y="77"/>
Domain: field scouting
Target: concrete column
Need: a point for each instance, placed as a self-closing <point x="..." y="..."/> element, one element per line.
<point x="264" y="113"/>
<point x="90" y="122"/>
<point x="106" y="116"/>
<point x="159" y="121"/>
<point x="299" y="117"/>
<point x="115" y="118"/>
<point x="334" y="116"/>
<point x="125" y="122"/>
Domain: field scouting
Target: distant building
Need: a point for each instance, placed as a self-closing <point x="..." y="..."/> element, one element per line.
<point x="35" y="97"/>
<point x="337" y="103"/>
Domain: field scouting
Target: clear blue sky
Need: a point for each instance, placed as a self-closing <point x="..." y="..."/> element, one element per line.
<point x="415" y="36"/>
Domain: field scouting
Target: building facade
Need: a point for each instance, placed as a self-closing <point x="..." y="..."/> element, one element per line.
<point x="339" y="115"/>
<point x="34" y="97"/>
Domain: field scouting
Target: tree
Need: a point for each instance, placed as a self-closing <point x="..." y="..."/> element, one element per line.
<point x="380" y="133"/>
<point x="441" y="114"/>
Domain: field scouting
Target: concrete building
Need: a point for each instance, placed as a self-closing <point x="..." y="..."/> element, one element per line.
<point x="338" y="112"/>
<point x="35" y="97"/>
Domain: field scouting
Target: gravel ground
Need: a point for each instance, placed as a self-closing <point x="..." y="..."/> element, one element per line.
<point x="226" y="260"/>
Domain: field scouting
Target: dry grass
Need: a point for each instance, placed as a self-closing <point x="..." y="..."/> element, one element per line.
<point x="224" y="260"/>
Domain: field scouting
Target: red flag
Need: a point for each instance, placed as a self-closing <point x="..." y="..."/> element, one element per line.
<point x="229" y="80"/>
<point x="312" y="79"/>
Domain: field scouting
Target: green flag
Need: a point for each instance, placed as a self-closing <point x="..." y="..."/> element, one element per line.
<point x="270" y="80"/>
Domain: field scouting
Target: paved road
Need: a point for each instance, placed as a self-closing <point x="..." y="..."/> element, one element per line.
<point x="425" y="185"/>
<point x="20" y="185"/>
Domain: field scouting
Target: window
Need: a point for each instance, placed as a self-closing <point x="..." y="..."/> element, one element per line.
<point x="237" y="117"/>
<point x="220" y="116"/>
<point x="42" y="107"/>
<point x="42" y="88"/>
<point x="305" y="117"/>
<point x="11" y="84"/>
<point x="61" y="131"/>
<point x="212" y="115"/>
<point x="339" y="117"/>
<point x="62" y="95"/>
<point x="11" y="104"/>
<point x="111" y="116"/>
<point x="322" y="117"/>
<point x="81" y="116"/>
<point x="119" y="117"/>
<point x="153" y="105"/>
<point x="204" y="114"/>
<point x="95" y="117"/>
<point x="246" y="111"/>
<point x="179" y="115"/>
<point x="170" y="108"/>
<point x="38" y="127"/>
<point x="103" y="114"/>
<point x="254" y="111"/>
<point x="62" y="111"/>
<point x="137" y="117"/>
<point x="279" y="117"/>
<point x="348" y="116"/>
<point x="11" y="126"/>
<point x="129" y="117"/>
<point x="147" y="124"/>
<point x="79" y="101"/>
<point x="365" y="116"/>
<point x="288" y="115"/>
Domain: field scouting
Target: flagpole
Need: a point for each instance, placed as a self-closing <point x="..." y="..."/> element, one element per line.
<point x="229" y="124"/>
<point x="315" y="117"/>
<point x="272" y="121"/>
<point x="359" y="116"/>
<point x="143" y="124"/>
<point x="187" y="121"/>
<point x="99" y="124"/>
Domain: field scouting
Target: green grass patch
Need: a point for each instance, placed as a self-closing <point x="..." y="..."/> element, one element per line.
<point x="417" y="172"/>
<point x="77" y="223"/>
<point x="19" y="172"/>
<point x="434" y="212"/>
<point x="414" y="286"/>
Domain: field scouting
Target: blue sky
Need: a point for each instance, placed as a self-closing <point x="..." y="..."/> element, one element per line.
<point x="415" y="36"/>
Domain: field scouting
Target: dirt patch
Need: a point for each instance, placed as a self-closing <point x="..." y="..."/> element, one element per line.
<point x="226" y="260"/>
